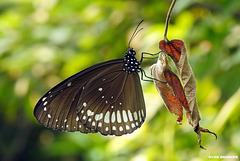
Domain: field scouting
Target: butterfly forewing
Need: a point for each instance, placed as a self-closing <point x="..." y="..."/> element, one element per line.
<point x="112" y="103"/>
<point x="57" y="108"/>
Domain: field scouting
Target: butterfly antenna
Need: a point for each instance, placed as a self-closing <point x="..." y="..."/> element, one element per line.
<point x="136" y="31"/>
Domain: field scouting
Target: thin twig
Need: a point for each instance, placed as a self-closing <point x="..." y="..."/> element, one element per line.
<point x="168" y="19"/>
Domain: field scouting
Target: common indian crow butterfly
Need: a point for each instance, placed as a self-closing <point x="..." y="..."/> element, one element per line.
<point x="105" y="98"/>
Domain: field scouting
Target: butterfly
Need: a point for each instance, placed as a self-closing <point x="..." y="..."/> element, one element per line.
<point x="105" y="98"/>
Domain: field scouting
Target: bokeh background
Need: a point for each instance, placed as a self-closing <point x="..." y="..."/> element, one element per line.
<point x="43" y="42"/>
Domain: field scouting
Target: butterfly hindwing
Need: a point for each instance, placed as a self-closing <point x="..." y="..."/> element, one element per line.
<point x="112" y="103"/>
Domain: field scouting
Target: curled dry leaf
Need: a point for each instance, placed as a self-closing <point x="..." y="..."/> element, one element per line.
<point x="173" y="80"/>
<point x="172" y="93"/>
<point x="176" y="49"/>
<point x="172" y="48"/>
<point x="186" y="75"/>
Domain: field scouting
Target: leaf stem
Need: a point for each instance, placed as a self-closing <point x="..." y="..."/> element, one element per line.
<point x="168" y="19"/>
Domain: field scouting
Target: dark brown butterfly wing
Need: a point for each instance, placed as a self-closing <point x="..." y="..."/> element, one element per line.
<point x="120" y="110"/>
<point x="57" y="108"/>
<point x="105" y="98"/>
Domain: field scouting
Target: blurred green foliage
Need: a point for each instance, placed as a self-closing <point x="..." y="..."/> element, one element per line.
<point x="43" y="42"/>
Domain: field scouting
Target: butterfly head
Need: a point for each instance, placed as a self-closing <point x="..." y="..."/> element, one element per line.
<point x="131" y="51"/>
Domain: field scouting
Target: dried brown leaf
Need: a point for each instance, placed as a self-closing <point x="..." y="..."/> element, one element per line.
<point x="172" y="93"/>
<point x="173" y="48"/>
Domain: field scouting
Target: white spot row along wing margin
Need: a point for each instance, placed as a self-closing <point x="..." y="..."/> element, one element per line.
<point x="114" y="121"/>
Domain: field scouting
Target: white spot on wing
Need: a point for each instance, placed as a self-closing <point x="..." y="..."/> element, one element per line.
<point x="98" y="116"/>
<point x="69" y="84"/>
<point x="65" y="120"/>
<point x="114" y="128"/>
<point x="121" y="128"/>
<point x="127" y="127"/>
<point x="113" y="118"/>
<point x="44" y="98"/>
<point x="133" y="125"/>
<point x="106" y="118"/>
<point x="142" y="112"/>
<point x="125" y="119"/>
<point x="49" y="116"/>
<point x="119" y="120"/>
<point x="84" y="104"/>
<point x="56" y="120"/>
<point x="130" y="115"/>
<point x="84" y="117"/>
<point x="106" y="129"/>
<point x="135" y="115"/>
<point x="100" y="89"/>
<point x="82" y="111"/>
<point x="44" y="103"/>
<point x="140" y="118"/>
<point x="90" y="113"/>
<point x="67" y="126"/>
<point x="77" y="118"/>
<point x="45" y="109"/>
<point x="93" y="123"/>
<point x="99" y="124"/>
<point x="112" y="106"/>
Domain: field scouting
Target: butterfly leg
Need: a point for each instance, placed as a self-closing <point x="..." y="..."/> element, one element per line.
<point x="144" y="53"/>
<point x="143" y="74"/>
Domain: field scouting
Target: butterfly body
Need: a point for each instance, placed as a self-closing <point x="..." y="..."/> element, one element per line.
<point x="105" y="98"/>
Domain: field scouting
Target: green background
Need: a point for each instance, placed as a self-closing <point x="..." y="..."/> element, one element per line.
<point x="43" y="42"/>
